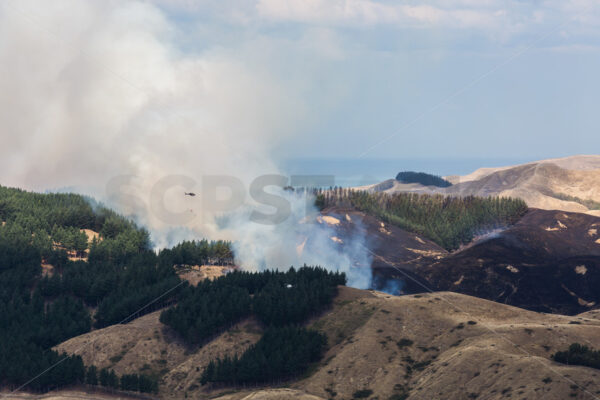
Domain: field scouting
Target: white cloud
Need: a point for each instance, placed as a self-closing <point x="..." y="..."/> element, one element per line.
<point x="499" y="18"/>
<point x="369" y="12"/>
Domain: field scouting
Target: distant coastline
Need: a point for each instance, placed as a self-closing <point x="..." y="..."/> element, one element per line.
<point x="367" y="171"/>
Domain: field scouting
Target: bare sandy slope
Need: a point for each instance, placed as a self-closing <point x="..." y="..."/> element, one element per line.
<point x="433" y="346"/>
<point x="542" y="184"/>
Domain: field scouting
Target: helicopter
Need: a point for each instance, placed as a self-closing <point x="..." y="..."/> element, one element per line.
<point x="191" y="194"/>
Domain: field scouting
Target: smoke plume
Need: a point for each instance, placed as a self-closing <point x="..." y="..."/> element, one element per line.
<point x="98" y="98"/>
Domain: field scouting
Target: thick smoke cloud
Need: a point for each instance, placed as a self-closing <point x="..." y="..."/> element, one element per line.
<point x="93" y="91"/>
<point x="97" y="95"/>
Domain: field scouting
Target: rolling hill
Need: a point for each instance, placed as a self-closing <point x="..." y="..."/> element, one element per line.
<point x="567" y="184"/>
<point x="444" y="339"/>
<point x="548" y="261"/>
<point x="431" y="346"/>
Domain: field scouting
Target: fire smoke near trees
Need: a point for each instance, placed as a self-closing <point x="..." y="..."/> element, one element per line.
<point x="109" y="83"/>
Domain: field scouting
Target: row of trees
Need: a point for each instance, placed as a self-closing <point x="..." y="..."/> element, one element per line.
<point x="199" y="253"/>
<point x="589" y="203"/>
<point x="448" y="221"/>
<point x="276" y="298"/>
<point x="130" y="382"/>
<point x="280" y="354"/>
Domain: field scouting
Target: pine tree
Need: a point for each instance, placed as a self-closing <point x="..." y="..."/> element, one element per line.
<point x="91" y="376"/>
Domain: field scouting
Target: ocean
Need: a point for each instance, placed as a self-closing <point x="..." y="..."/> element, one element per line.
<point x="350" y="172"/>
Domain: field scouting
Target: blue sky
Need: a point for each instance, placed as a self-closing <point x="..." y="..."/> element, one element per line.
<point x="456" y="78"/>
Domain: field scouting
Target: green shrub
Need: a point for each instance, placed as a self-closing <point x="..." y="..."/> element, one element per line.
<point x="578" y="354"/>
<point x="362" y="394"/>
<point x="422" y="178"/>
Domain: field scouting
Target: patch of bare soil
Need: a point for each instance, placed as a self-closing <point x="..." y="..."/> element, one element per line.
<point x="197" y="273"/>
<point x="47" y="269"/>
<point x="91" y="235"/>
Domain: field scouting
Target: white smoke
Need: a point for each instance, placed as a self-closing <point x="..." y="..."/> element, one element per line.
<point x="302" y="238"/>
<point x="96" y="92"/>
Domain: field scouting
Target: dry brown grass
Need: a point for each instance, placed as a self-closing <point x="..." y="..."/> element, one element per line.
<point x="451" y="346"/>
<point x="147" y="346"/>
<point x="438" y="346"/>
<point x="71" y="394"/>
<point x="539" y="183"/>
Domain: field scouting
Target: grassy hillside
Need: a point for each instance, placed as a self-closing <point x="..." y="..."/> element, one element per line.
<point x="590" y="204"/>
<point x="430" y="346"/>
